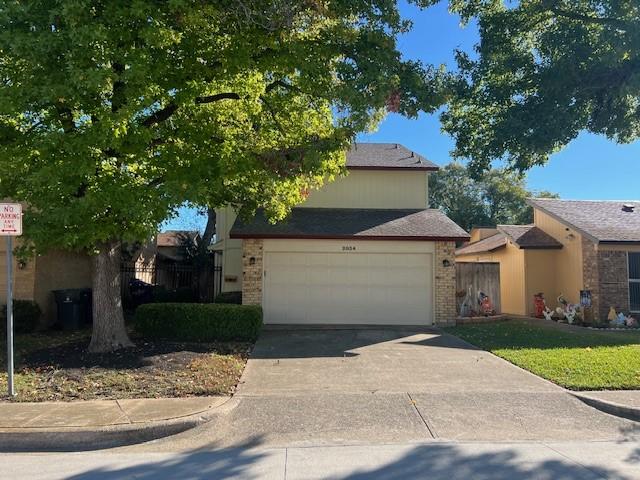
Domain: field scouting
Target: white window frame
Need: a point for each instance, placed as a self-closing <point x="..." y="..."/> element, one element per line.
<point x="631" y="280"/>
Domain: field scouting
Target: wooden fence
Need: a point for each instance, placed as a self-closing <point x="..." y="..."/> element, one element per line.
<point x="481" y="277"/>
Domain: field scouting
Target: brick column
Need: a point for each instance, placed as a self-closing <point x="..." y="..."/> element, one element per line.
<point x="445" y="284"/>
<point x="590" y="277"/>
<point x="252" y="272"/>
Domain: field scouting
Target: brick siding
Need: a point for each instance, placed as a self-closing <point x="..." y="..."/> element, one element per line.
<point x="445" y="285"/>
<point x="252" y="256"/>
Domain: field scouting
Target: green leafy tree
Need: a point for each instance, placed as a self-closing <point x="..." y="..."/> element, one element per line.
<point x="544" y="71"/>
<point x="495" y="197"/>
<point x="112" y="114"/>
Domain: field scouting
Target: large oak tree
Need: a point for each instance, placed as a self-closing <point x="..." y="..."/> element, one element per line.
<point x="114" y="113"/>
<point x="544" y="71"/>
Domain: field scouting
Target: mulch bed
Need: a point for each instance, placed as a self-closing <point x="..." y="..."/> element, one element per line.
<point x="58" y="367"/>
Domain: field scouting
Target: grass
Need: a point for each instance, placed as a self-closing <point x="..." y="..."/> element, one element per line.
<point x="56" y="366"/>
<point x="577" y="359"/>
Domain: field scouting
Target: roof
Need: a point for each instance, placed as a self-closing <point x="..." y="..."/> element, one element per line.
<point x="529" y="236"/>
<point x="601" y="220"/>
<point x="176" y="238"/>
<point x="343" y="223"/>
<point x="488" y="244"/>
<point x="524" y="236"/>
<point x="386" y="156"/>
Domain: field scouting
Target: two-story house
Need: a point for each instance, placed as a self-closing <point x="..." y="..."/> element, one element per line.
<point x="572" y="247"/>
<point x="364" y="249"/>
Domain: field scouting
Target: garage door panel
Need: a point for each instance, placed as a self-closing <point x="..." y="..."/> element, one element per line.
<point x="351" y="288"/>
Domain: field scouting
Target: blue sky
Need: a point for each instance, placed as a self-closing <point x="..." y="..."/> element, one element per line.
<point x="591" y="167"/>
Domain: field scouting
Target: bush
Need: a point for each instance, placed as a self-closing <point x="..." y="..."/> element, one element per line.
<point x="229" y="297"/>
<point x="26" y="316"/>
<point x="199" y="322"/>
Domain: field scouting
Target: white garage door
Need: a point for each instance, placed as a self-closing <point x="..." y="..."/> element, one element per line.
<point x="348" y="288"/>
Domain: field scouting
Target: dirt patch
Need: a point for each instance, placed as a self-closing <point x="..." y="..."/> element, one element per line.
<point x="58" y="367"/>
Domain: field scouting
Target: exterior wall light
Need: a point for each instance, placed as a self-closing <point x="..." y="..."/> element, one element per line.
<point x="446" y="263"/>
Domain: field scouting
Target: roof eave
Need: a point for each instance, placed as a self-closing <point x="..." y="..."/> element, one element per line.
<point x="400" y="169"/>
<point x="275" y="236"/>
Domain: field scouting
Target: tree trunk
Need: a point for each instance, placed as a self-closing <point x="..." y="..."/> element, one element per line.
<point x="202" y="261"/>
<point x="109" y="332"/>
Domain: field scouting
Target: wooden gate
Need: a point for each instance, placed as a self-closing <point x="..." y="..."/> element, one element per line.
<point x="482" y="277"/>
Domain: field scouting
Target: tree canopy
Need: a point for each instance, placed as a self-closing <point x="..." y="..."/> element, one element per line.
<point x="496" y="197"/>
<point x="543" y="71"/>
<point x="114" y="113"/>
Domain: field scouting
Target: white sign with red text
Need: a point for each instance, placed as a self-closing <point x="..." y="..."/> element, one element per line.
<point x="10" y="219"/>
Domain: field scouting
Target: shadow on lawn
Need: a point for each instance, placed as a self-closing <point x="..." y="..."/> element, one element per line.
<point x="541" y="334"/>
<point x="74" y="354"/>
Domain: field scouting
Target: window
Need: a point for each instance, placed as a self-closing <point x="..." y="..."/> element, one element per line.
<point x="634" y="281"/>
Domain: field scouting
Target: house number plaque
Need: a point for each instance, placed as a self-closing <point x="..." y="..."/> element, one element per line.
<point x="348" y="248"/>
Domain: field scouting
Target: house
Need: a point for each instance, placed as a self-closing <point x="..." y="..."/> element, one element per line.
<point x="36" y="278"/>
<point x="572" y="246"/>
<point x="364" y="249"/>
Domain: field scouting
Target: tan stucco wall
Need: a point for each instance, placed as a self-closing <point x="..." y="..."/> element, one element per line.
<point x="540" y="267"/>
<point x="373" y="189"/>
<point x="59" y="270"/>
<point x="568" y="271"/>
<point x="512" y="278"/>
<point x="24" y="278"/>
<point x="480" y="233"/>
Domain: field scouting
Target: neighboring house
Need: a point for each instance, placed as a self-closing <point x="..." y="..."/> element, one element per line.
<point x="573" y="245"/>
<point x="36" y="278"/>
<point x="165" y="260"/>
<point x="365" y="249"/>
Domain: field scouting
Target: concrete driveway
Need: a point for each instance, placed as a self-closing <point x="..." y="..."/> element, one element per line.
<point x="392" y="385"/>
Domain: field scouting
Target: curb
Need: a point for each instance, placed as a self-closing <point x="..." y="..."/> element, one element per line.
<point x="612" y="408"/>
<point x="85" y="439"/>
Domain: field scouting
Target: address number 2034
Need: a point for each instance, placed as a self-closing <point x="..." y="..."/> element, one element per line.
<point x="348" y="248"/>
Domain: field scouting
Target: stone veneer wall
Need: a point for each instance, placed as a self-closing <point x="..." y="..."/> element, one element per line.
<point x="445" y="284"/>
<point x="605" y="273"/>
<point x="252" y="256"/>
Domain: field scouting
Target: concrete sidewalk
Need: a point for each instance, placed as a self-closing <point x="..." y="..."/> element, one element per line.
<point x="428" y="460"/>
<point x="101" y="413"/>
<point x="622" y="403"/>
<point x="93" y="425"/>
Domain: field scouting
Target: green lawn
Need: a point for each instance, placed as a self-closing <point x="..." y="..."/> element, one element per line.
<point x="578" y="359"/>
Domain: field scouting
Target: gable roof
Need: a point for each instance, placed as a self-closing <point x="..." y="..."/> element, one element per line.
<point x="386" y="156"/>
<point x="354" y="223"/>
<point x="488" y="244"/>
<point x="523" y="236"/>
<point x="602" y="220"/>
<point x="529" y="236"/>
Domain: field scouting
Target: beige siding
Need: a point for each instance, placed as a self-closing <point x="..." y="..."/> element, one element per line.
<point x="373" y="189"/>
<point x="512" y="279"/>
<point x="59" y="270"/>
<point x="568" y="260"/>
<point x="480" y="233"/>
<point x="231" y="250"/>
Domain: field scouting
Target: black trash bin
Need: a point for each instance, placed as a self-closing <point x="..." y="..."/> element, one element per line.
<point x="74" y="307"/>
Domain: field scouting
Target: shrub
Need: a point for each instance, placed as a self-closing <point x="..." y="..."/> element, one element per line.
<point x="26" y="316"/>
<point x="199" y="322"/>
<point x="229" y="297"/>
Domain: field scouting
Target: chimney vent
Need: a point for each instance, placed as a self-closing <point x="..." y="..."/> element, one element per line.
<point x="628" y="207"/>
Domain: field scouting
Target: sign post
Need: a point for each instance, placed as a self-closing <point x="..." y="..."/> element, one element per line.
<point x="10" y="226"/>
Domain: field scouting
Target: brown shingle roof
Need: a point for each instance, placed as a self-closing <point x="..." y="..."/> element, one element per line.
<point x="386" y="156"/>
<point x="176" y="238"/>
<point x="339" y="223"/>
<point x="529" y="236"/>
<point x="488" y="244"/>
<point x="602" y="220"/>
